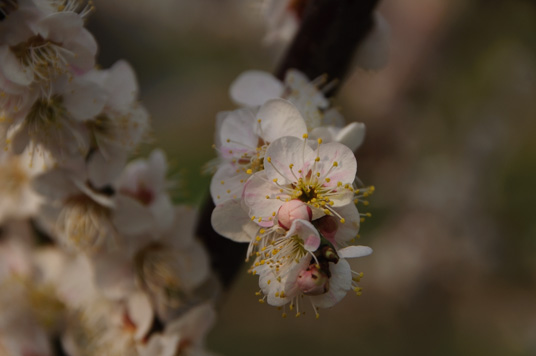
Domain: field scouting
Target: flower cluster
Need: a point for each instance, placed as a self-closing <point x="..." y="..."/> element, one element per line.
<point x="94" y="256"/>
<point x="286" y="184"/>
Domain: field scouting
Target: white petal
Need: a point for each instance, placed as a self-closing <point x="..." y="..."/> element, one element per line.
<point x="131" y="217"/>
<point x="122" y="85"/>
<point x="232" y="186"/>
<point x="237" y="133"/>
<point x="348" y="230"/>
<point x="273" y="288"/>
<point x="306" y="91"/>
<point x="60" y="26"/>
<point x="184" y="224"/>
<point x="333" y="117"/>
<point x="352" y="135"/>
<point x="307" y="232"/>
<point x="162" y="210"/>
<point x="84" y="100"/>
<point x="103" y="171"/>
<point x="354" y="251"/>
<point x="54" y="184"/>
<point x="76" y="287"/>
<point x="114" y="274"/>
<point x="194" y="325"/>
<point x="141" y="313"/>
<point x="20" y="139"/>
<point x="254" y="88"/>
<point x="11" y="68"/>
<point x="84" y="47"/>
<point x="284" y="152"/>
<point x="193" y="266"/>
<point x="220" y="118"/>
<point x="345" y="169"/>
<point x="291" y="286"/>
<point x="255" y="192"/>
<point x="280" y="118"/>
<point x="158" y="165"/>
<point x="339" y="284"/>
<point x="230" y="220"/>
<point x="159" y="345"/>
<point x="50" y="263"/>
<point x="326" y="133"/>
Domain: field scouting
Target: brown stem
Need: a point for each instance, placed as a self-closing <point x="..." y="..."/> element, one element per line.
<point x="329" y="34"/>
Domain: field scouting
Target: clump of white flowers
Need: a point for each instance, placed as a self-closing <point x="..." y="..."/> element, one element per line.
<point x="94" y="256"/>
<point x="286" y="184"/>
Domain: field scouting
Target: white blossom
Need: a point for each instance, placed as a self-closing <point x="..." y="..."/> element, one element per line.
<point x="245" y="135"/>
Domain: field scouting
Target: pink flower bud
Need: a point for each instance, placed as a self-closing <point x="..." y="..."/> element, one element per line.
<point x="313" y="281"/>
<point x="292" y="210"/>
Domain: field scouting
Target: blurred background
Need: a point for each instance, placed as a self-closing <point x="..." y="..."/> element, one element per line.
<point x="450" y="147"/>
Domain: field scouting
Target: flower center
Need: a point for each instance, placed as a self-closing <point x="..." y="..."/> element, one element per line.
<point x="311" y="191"/>
<point x="279" y="252"/>
<point x="43" y="57"/>
<point x="157" y="269"/>
<point x="45" y="114"/>
<point x="84" y="223"/>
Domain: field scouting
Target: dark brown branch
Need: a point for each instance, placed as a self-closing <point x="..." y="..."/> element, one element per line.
<point x="329" y="35"/>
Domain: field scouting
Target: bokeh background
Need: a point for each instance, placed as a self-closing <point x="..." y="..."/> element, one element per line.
<point x="450" y="147"/>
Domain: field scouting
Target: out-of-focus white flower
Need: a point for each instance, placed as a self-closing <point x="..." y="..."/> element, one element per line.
<point x="169" y="266"/>
<point x="106" y="327"/>
<point x="184" y="336"/>
<point x="244" y="136"/>
<point x="36" y="46"/>
<point x="143" y="186"/>
<point x="20" y="330"/>
<point x="15" y="251"/>
<point x="29" y="306"/>
<point x="75" y="213"/>
<point x="120" y="126"/>
<point x="19" y="200"/>
<point x="56" y="123"/>
<point x="174" y="266"/>
<point x="76" y="286"/>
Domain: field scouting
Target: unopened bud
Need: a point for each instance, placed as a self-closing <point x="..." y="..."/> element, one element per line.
<point x="313" y="281"/>
<point x="292" y="210"/>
